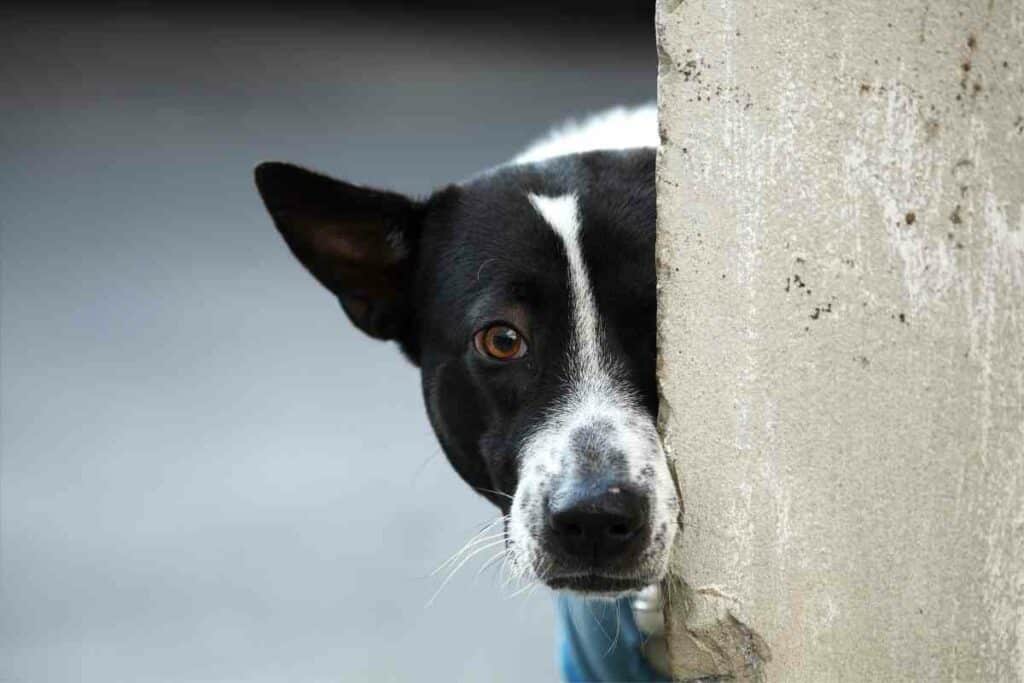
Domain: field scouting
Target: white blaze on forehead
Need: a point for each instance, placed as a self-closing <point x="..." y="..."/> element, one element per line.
<point x="563" y="215"/>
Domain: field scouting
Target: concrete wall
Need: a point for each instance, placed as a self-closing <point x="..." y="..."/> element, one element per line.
<point x="841" y="258"/>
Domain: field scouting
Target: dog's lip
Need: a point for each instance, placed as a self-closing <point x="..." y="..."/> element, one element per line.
<point x="597" y="583"/>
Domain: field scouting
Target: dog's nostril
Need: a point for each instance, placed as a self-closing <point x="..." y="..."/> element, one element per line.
<point x="572" y="530"/>
<point x="618" y="529"/>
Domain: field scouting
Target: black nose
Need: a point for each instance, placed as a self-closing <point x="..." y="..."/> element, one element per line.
<point x="597" y="524"/>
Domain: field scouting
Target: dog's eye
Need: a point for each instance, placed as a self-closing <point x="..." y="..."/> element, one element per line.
<point x="500" y="342"/>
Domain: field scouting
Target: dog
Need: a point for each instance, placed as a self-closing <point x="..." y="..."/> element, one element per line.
<point x="526" y="296"/>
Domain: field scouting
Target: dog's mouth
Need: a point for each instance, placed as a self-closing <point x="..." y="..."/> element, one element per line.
<point x="597" y="584"/>
<point x="635" y="568"/>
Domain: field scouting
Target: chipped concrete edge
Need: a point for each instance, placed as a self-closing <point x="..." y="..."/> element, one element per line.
<point x="708" y="642"/>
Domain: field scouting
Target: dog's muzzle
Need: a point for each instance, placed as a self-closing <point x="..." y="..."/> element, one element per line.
<point x="595" y="509"/>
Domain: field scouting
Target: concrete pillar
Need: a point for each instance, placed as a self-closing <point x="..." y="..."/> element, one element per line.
<point x="841" y="263"/>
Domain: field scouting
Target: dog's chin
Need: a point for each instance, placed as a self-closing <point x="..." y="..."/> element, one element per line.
<point x="599" y="585"/>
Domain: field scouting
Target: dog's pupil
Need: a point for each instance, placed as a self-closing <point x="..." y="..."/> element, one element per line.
<point x="505" y="340"/>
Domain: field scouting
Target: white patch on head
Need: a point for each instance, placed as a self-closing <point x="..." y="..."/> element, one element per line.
<point x="563" y="215"/>
<point x="618" y="128"/>
<point x="595" y="399"/>
<point x="611" y="129"/>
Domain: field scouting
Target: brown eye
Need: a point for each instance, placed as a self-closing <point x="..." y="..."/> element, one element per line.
<point x="500" y="342"/>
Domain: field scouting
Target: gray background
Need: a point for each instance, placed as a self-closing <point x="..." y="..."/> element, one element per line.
<point x="206" y="474"/>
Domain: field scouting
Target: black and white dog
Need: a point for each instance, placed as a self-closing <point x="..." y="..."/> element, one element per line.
<point x="526" y="295"/>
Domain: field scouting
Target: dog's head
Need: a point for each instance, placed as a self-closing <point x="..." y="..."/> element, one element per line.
<point x="527" y="298"/>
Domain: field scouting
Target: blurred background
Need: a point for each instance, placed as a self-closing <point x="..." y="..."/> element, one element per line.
<point x="206" y="473"/>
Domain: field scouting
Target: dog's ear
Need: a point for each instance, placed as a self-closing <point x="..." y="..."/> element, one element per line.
<point x="358" y="242"/>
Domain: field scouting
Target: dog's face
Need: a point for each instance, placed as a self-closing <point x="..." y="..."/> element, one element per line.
<point x="527" y="298"/>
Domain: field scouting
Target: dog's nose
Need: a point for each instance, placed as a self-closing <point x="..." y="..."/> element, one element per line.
<point x="597" y="524"/>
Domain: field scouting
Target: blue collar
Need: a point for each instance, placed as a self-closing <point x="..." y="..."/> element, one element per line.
<point x="599" y="641"/>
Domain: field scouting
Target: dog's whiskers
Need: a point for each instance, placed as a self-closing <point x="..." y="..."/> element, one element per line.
<point x="522" y="589"/>
<point x="516" y="569"/>
<point x="467" y="551"/>
<point x="528" y="588"/>
<point x="470" y="546"/>
<point x="500" y="555"/>
<point x="476" y="539"/>
<point x="590" y="608"/>
<point x="498" y="493"/>
<point x="618" y="628"/>
<point x="459" y="566"/>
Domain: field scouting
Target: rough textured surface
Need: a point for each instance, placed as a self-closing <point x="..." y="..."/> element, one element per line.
<point x="841" y="258"/>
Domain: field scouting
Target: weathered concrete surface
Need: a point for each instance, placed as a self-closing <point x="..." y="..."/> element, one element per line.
<point x="841" y="258"/>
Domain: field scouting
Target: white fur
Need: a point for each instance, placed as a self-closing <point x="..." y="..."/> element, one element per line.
<point x="618" y="128"/>
<point x="562" y="214"/>
<point x="595" y="397"/>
